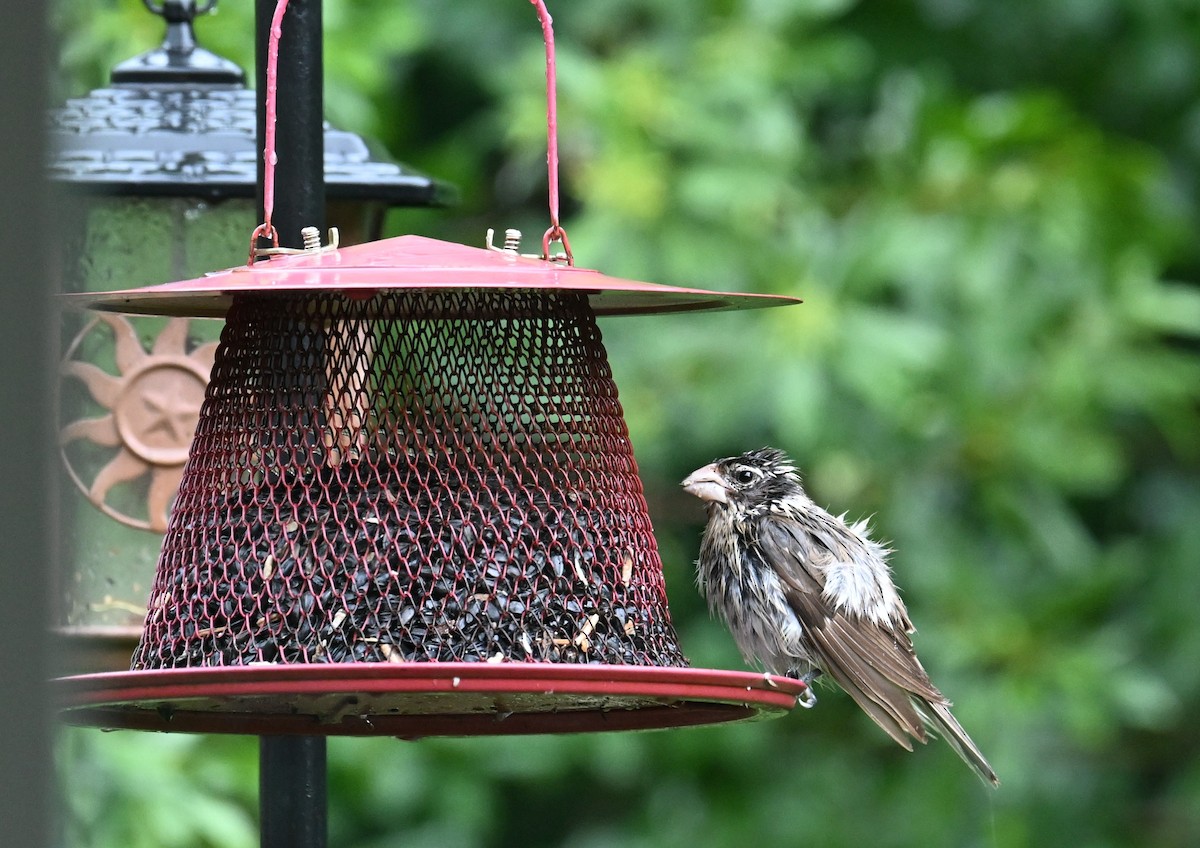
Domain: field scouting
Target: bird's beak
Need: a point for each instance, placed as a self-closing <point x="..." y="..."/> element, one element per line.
<point x="707" y="484"/>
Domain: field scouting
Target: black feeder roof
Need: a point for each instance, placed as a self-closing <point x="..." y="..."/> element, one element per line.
<point x="180" y="121"/>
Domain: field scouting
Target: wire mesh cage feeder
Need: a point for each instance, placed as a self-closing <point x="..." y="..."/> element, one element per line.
<point x="411" y="505"/>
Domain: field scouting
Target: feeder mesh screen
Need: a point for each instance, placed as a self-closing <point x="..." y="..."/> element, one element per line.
<point x="416" y="476"/>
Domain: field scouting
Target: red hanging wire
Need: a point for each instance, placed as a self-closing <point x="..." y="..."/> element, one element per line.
<point x="265" y="229"/>
<point x="553" y="234"/>
<point x="556" y="231"/>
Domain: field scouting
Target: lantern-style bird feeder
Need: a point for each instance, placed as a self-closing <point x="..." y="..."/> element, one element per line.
<point x="411" y="507"/>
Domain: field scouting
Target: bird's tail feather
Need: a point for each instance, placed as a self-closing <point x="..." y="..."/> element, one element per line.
<point x="941" y="722"/>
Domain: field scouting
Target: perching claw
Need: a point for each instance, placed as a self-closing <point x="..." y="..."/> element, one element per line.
<point x="808" y="698"/>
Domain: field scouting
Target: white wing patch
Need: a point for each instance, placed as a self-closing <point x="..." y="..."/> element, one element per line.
<point x="858" y="581"/>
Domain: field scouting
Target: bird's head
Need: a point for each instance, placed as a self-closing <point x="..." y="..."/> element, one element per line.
<point x="752" y="479"/>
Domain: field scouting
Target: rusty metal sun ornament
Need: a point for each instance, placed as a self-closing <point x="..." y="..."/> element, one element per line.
<point x="152" y="404"/>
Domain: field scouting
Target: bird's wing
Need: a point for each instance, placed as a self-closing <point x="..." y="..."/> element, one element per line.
<point x="875" y="664"/>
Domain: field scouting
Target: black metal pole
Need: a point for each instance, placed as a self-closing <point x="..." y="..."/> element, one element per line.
<point x="292" y="792"/>
<point x="299" y="131"/>
<point x="293" y="795"/>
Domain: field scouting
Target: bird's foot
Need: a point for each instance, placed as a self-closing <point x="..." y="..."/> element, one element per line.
<point x="808" y="698"/>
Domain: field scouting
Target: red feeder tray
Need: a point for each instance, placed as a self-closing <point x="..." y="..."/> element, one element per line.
<point x="411" y="508"/>
<point x="421" y="699"/>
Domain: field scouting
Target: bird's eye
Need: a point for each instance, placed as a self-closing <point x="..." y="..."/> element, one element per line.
<point x="744" y="476"/>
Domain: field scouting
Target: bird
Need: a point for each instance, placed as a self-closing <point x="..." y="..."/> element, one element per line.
<point x="806" y="594"/>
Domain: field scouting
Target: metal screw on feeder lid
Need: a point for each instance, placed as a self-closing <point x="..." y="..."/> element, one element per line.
<point x="312" y="239"/>
<point x="511" y="246"/>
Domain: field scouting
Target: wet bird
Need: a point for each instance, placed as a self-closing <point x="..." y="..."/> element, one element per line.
<point x="804" y="594"/>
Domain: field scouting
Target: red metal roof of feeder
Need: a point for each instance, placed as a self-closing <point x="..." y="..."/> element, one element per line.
<point x="413" y="262"/>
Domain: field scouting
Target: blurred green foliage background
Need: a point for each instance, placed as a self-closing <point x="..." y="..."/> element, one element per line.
<point x="991" y="212"/>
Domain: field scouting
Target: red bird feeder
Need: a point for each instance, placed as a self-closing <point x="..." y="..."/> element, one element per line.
<point x="411" y="507"/>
